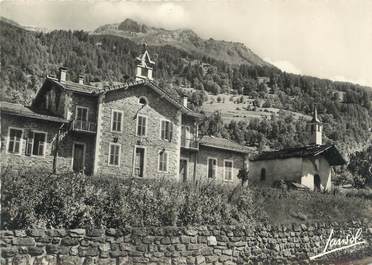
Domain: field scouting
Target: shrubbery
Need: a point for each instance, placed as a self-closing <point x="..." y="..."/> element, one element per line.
<point x="71" y="201"/>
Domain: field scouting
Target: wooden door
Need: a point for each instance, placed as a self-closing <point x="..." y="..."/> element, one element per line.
<point x="78" y="157"/>
<point x="183" y="169"/>
<point x="139" y="162"/>
<point x="317" y="182"/>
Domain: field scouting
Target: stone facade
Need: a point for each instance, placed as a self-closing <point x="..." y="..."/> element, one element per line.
<point x="261" y="244"/>
<point x="157" y="109"/>
<point x="87" y="138"/>
<point x="200" y="172"/>
<point x="20" y="162"/>
<point x="98" y="137"/>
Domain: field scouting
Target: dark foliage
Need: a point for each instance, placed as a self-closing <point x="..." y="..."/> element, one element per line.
<point x="360" y="166"/>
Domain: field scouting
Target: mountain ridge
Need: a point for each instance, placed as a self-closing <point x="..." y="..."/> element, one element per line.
<point x="185" y="39"/>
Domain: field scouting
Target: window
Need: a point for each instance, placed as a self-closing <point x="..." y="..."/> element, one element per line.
<point x="36" y="143"/>
<point x="228" y="170"/>
<point x="163" y="161"/>
<point x="116" y="120"/>
<point x="141" y="125"/>
<point x="166" y="130"/>
<point x="212" y="167"/>
<point x="15" y="138"/>
<point x="143" y="100"/>
<point x="114" y="156"/>
<point x="81" y="113"/>
<point x="144" y="72"/>
<point x="263" y="174"/>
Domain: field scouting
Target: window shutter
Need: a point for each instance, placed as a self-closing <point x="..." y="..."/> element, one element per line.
<point x="170" y="131"/>
<point x="28" y="150"/>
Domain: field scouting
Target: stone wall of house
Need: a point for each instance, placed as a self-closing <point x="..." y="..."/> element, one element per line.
<point x="202" y="156"/>
<point x="262" y="244"/>
<point x="21" y="161"/>
<point x="87" y="101"/>
<point x="157" y="109"/>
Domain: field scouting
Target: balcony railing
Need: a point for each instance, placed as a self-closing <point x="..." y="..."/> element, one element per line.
<point x="84" y="126"/>
<point x="189" y="143"/>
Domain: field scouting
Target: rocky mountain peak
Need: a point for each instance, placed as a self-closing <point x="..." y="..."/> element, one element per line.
<point x="133" y="26"/>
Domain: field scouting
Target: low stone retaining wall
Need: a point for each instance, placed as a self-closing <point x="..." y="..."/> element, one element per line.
<point x="262" y="244"/>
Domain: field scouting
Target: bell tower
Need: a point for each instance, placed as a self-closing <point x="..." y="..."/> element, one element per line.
<point x="316" y="128"/>
<point x="145" y="65"/>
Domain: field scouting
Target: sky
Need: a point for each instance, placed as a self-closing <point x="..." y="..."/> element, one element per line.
<point x="324" y="38"/>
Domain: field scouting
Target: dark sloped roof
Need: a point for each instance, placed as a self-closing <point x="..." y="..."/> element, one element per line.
<point x="222" y="143"/>
<point x="76" y="87"/>
<point x="20" y="110"/>
<point x="329" y="151"/>
<point x="170" y="94"/>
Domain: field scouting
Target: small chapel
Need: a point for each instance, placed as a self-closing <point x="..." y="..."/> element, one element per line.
<point x="310" y="165"/>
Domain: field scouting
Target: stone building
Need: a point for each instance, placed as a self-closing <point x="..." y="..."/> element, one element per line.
<point x="133" y="129"/>
<point x="310" y="165"/>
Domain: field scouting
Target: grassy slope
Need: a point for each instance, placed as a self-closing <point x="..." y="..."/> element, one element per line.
<point x="231" y="110"/>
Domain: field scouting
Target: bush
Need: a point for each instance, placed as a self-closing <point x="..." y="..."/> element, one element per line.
<point x="74" y="200"/>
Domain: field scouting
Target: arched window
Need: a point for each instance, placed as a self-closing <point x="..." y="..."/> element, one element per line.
<point x="263" y="174"/>
<point x="143" y="100"/>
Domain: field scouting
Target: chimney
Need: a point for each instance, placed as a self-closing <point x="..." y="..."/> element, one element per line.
<point x="184" y="101"/>
<point x="81" y="79"/>
<point x="62" y="74"/>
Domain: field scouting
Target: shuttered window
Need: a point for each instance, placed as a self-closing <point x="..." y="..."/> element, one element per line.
<point x="114" y="156"/>
<point x="141" y="125"/>
<point x="212" y="167"/>
<point x="36" y="143"/>
<point x="116" y="121"/>
<point x="166" y="130"/>
<point x="15" y="138"/>
<point x="228" y="170"/>
<point x="163" y="161"/>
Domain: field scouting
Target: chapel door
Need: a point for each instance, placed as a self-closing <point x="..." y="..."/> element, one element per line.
<point x="316" y="182"/>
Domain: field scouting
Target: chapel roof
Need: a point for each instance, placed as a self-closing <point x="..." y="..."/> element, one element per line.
<point x="330" y="152"/>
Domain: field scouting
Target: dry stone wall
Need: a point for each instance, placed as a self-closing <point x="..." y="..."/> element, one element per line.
<point x="262" y="244"/>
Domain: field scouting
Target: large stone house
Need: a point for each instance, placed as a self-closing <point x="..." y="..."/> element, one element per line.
<point x="134" y="129"/>
<point x="310" y="166"/>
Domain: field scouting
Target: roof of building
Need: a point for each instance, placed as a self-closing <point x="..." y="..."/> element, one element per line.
<point x="225" y="144"/>
<point x="170" y="94"/>
<point x="330" y="152"/>
<point x="315" y="118"/>
<point x="20" y="110"/>
<point x="75" y="87"/>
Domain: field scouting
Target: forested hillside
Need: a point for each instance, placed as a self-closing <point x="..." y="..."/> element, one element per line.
<point x="27" y="57"/>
